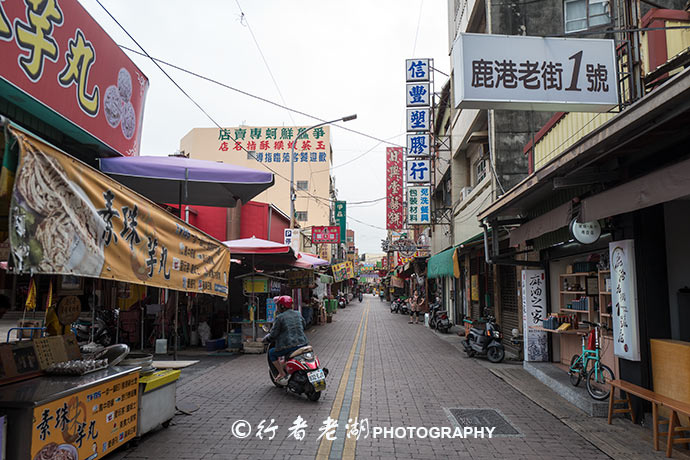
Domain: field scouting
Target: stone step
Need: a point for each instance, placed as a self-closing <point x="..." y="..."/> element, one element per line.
<point x="559" y="381"/>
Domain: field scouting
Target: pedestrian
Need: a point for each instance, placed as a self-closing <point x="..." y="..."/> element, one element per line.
<point x="415" y="302"/>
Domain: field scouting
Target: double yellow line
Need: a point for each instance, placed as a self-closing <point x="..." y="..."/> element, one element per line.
<point x="350" y="443"/>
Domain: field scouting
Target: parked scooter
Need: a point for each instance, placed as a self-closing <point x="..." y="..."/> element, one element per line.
<point x="485" y="341"/>
<point x="105" y="328"/>
<point x="439" y="318"/>
<point x="394" y="306"/>
<point x="306" y="376"/>
<point x="404" y="306"/>
<point x="342" y="303"/>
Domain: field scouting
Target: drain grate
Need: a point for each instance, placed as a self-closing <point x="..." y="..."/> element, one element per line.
<point x="483" y="418"/>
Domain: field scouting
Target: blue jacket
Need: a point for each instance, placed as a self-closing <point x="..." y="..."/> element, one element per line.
<point x="288" y="330"/>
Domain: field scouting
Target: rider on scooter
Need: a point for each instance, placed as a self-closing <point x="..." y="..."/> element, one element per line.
<point x="287" y="333"/>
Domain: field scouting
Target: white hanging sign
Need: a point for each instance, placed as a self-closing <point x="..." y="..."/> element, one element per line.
<point x="418" y="145"/>
<point x="418" y="171"/>
<point x="533" y="313"/>
<point x="418" y="95"/>
<point x="418" y="120"/>
<point x="417" y="69"/>
<point x="626" y="333"/>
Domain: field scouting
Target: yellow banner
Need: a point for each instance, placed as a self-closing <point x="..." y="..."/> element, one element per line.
<point x="88" y="424"/>
<point x="343" y="271"/>
<point x="67" y="218"/>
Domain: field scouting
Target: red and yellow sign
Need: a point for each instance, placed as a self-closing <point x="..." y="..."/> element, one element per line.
<point x="70" y="219"/>
<point x="328" y="235"/>
<point x="88" y="424"/>
<point x="55" y="53"/>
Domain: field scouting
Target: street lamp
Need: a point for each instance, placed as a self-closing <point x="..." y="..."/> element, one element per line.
<point x="293" y="195"/>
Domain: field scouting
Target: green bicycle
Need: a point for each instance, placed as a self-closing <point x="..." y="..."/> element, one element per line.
<point x="598" y="375"/>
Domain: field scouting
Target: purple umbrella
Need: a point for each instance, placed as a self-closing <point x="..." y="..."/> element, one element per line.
<point x="187" y="181"/>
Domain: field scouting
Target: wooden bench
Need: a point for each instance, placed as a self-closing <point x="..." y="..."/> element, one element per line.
<point x="675" y="429"/>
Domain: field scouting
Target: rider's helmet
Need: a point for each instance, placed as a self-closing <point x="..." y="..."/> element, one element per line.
<point x="283" y="302"/>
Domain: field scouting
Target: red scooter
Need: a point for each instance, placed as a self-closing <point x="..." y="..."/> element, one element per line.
<point x="304" y="371"/>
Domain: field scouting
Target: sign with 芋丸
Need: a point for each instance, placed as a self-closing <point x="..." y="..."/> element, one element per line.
<point x="418" y="205"/>
<point x="534" y="73"/>
<point x="418" y="171"/>
<point x="418" y="95"/>
<point x="394" y="188"/>
<point x="63" y="68"/>
<point x="626" y="334"/>
<point x="70" y="219"/>
<point x="418" y="145"/>
<point x="341" y="219"/>
<point x="533" y="312"/>
<point x="275" y="144"/>
<point x="418" y="120"/>
<point x="87" y="424"/>
<point x="327" y="235"/>
<point x="417" y="70"/>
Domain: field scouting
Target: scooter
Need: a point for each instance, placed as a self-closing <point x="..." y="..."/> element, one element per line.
<point x="486" y="341"/>
<point x="404" y="307"/>
<point x="394" y="306"/>
<point x="341" y="301"/>
<point x="306" y="376"/>
<point x="439" y="318"/>
<point x="105" y="328"/>
<point x="360" y="296"/>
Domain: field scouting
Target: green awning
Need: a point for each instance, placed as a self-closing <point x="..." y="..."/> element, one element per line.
<point x="441" y="264"/>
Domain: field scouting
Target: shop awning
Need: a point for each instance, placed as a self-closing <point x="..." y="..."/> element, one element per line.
<point x="70" y="219"/>
<point x="256" y="245"/>
<point x="306" y="260"/>
<point x="195" y="182"/>
<point x="441" y="264"/>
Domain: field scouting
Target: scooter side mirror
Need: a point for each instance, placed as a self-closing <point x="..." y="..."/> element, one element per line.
<point x="265" y="328"/>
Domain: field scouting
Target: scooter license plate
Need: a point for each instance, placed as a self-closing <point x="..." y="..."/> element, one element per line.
<point x="316" y="376"/>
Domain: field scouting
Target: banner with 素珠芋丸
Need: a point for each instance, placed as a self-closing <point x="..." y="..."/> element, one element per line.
<point x="69" y="219"/>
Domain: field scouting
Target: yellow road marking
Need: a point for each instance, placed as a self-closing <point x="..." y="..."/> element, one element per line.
<point x="325" y="446"/>
<point x="350" y="443"/>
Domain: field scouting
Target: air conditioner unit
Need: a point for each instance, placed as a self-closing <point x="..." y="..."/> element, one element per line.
<point x="465" y="192"/>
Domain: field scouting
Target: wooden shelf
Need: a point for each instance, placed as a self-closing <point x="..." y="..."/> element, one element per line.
<point x="565" y="275"/>
<point x="554" y="331"/>
<point x="605" y="315"/>
<point x="604" y="271"/>
<point x="574" y="311"/>
<point x="605" y="293"/>
<point x="574" y="292"/>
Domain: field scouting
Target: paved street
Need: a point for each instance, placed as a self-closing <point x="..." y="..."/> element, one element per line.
<point x="384" y="371"/>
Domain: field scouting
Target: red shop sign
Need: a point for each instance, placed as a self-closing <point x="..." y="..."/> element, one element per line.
<point x="54" y="53"/>
<point x="330" y="234"/>
<point x="394" y="188"/>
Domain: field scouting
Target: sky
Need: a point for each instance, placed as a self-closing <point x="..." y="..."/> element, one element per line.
<point x="325" y="58"/>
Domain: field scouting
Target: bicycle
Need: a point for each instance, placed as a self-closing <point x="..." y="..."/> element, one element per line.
<point x="598" y="375"/>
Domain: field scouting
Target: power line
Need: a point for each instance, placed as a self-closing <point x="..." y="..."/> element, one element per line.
<point x="245" y="93"/>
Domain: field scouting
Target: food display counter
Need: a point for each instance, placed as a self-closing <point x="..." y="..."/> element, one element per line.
<point x="71" y="417"/>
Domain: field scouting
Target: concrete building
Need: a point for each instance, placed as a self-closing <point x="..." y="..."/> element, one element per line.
<point x="270" y="148"/>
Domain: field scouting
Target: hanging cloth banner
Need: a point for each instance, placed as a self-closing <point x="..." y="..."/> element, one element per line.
<point x="69" y="219"/>
<point x="31" y="296"/>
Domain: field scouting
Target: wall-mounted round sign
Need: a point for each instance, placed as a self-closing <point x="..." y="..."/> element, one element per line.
<point x="68" y="310"/>
<point x="585" y="232"/>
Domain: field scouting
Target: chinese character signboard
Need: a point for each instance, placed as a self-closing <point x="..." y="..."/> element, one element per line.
<point x="394" y="188"/>
<point x="287" y="236"/>
<point x="418" y="95"/>
<point x="533" y="312"/>
<point x="626" y="334"/>
<point x="341" y="219"/>
<point x="57" y="55"/>
<point x="327" y="235"/>
<point x="418" y="205"/>
<point x="300" y="278"/>
<point x="275" y="144"/>
<point x="534" y="73"/>
<point x="343" y="271"/>
<point x="417" y="69"/>
<point x="418" y="120"/>
<point x="88" y="424"/>
<point x="418" y="171"/>
<point x="70" y="219"/>
<point x="418" y="145"/>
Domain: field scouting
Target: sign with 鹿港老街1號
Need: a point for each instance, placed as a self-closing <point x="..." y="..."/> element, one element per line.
<point x="534" y="73"/>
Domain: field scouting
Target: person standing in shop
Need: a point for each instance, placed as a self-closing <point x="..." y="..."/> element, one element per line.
<point x="415" y="302"/>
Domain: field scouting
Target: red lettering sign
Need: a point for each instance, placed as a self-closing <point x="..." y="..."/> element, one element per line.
<point x="56" y="54"/>
<point x="394" y="188"/>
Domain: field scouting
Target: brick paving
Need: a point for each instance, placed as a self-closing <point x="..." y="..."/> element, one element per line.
<point x="410" y="376"/>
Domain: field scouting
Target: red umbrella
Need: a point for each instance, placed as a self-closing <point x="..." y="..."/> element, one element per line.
<point x="256" y="245"/>
<point x="306" y="260"/>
